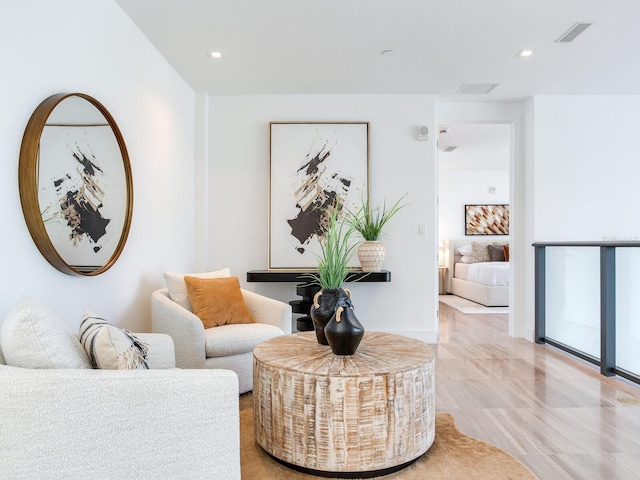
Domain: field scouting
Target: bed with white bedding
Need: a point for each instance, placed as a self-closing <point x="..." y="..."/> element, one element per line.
<point x="485" y="282"/>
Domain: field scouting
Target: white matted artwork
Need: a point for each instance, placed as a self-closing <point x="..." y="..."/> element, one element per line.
<point x="313" y="166"/>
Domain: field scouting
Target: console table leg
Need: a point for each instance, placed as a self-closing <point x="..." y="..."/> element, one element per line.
<point x="303" y="307"/>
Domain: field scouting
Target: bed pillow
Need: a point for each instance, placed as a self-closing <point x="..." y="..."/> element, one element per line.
<point x="496" y="253"/>
<point x="506" y="252"/>
<point x="480" y="252"/>
<point x="32" y="336"/>
<point x="217" y="301"/>
<point x="466" y="259"/>
<point x="178" y="290"/>
<point x="465" y="250"/>
<point x="109" y="347"/>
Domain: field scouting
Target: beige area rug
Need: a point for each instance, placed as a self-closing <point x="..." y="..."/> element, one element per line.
<point x="452" y="456"/>
<point x="470" y="308"/>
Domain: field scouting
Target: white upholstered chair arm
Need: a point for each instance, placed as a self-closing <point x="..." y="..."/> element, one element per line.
<point x="269" y="311"/>
<point x="183" y="326"/>
<point x="95" y="424"/>
<point x="160" y="350"/>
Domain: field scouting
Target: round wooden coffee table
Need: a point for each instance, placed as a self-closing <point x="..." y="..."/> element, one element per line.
<point x="360" y="415"/>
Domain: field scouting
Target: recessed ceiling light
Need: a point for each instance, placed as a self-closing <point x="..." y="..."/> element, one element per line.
<point x="527" y="52"/>
<point x="216" y="54"/>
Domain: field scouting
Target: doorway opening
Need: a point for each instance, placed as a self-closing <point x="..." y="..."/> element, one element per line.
<point x="474" y="174"/>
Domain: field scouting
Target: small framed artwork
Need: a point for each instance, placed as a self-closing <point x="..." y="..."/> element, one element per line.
<point x="486" y="219"/>
<point x="313" y="166"/>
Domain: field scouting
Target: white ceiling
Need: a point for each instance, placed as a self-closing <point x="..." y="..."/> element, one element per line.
<point x="334" y="46"/>
<point x="479" y="147"/>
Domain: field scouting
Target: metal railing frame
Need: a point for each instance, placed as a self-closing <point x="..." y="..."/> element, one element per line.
<point x="607" y="360"/>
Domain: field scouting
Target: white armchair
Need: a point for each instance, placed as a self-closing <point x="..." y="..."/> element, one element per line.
<point x="227" y="346"/>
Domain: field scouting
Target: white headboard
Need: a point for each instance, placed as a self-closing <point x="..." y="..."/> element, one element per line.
<point x="451" y="257"/>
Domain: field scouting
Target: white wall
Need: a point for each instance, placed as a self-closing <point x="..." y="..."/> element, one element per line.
<point x="586" y="167"/>
<point x="93" y="47"/>
<point x="238" y="153"/>
<point x="463" y="187"/>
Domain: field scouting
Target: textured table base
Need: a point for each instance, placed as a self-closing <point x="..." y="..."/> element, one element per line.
<point x="345" y="415"/>
<point x="322" y="473"/>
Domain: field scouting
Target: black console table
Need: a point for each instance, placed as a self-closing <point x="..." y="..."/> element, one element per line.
<point x="307" y="290"/>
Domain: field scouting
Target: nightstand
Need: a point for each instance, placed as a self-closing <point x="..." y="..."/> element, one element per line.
<point x="442" y="284"/>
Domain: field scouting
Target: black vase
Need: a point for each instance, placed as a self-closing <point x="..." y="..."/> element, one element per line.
<point x="344" y="332"/>
<point x="323" y="308"/>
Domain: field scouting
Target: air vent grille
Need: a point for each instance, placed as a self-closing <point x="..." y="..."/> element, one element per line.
<point x="477" y="87"/>
<point x="573" y="32"/>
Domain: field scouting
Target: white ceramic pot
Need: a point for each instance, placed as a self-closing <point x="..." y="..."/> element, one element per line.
<point x="371" y="256"/>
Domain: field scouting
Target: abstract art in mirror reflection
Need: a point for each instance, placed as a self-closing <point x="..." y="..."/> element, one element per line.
<point x="76" y="193"/>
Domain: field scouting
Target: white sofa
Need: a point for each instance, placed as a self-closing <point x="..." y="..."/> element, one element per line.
<point x="107" y="424"/>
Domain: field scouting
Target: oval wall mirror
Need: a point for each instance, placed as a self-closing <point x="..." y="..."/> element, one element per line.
<point x="75" y="184"/>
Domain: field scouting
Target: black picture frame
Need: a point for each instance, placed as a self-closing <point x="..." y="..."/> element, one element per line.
<point x="486" y="219"/>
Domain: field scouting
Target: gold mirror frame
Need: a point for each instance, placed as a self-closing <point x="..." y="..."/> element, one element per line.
<point x="28" y="184"/>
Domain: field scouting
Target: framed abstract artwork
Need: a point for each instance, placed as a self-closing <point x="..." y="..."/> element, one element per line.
<point x="486" y="219"/>
<point x="313" y="167"/>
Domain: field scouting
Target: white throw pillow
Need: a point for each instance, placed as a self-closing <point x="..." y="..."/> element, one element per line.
<point x="465" y="250"/>
<point x="178" y="289"/>
<point x="32" y="336"/>
<point x="109" y="347"/>
<point x="2" y="362"/>
<point x="466" y="259"/>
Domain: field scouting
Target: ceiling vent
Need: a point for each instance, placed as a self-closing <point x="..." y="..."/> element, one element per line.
<point x="448" y="148"/>
<point x="573" y="32"/>
<point x="477" y="87"/>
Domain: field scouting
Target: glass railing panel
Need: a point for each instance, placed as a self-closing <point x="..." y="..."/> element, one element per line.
<point x="628" y="309"/>
<point x="573" y="297"/>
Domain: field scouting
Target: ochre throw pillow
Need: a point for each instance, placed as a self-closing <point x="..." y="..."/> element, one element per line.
<point x="178" y="290"/>
<point x="506" y="252"/>
<point x="217" y="301"/>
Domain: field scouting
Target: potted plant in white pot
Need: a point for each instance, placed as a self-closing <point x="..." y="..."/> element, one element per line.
<point x="369" y="222"/>
<point x="337" y="249"/>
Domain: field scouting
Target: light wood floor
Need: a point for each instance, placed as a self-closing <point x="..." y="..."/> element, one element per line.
<point x="557" y="415"/>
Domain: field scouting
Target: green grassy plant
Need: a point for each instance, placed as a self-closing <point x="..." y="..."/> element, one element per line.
<point x="370" y="222"/>
<point x="337" y="249"/>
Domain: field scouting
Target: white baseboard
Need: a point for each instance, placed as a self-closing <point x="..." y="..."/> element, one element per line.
<point x="529" y="334"/>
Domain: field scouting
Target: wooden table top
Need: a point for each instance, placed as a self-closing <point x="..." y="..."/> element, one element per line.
<point x="378" y="354"/>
